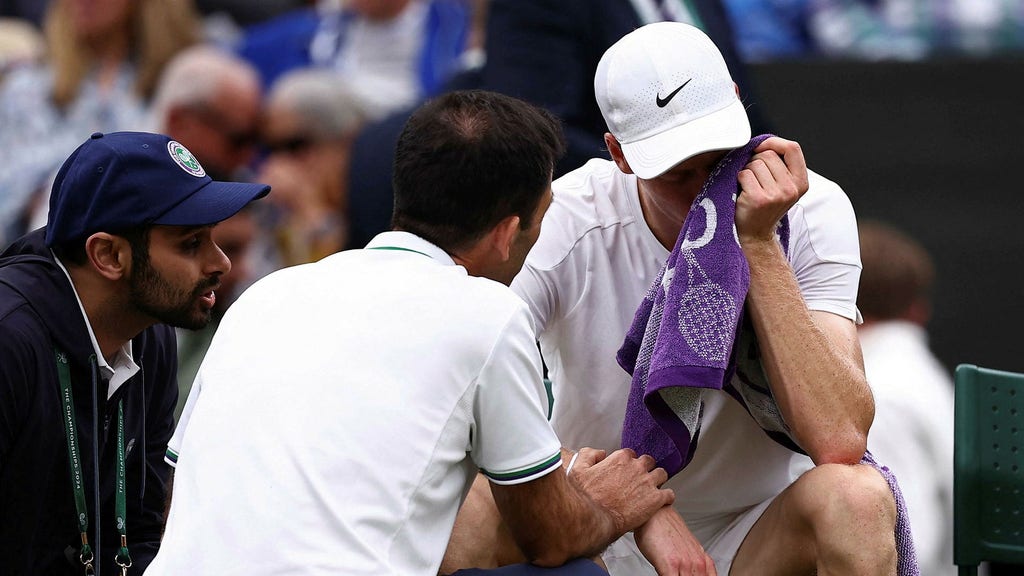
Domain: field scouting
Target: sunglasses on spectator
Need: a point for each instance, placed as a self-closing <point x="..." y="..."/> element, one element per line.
<point x="292" y="145"/>
<point x="236" y="138"/>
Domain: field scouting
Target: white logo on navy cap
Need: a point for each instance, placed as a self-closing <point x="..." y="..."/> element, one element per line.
<point x="182" y="157"/>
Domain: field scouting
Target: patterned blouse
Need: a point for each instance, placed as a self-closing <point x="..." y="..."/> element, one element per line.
<point x="36" y="137"/>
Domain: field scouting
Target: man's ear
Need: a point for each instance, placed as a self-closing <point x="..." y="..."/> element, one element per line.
<point x="616" y="151"/>
<point x="109" y="255"/>
<point x="504" y="234"/>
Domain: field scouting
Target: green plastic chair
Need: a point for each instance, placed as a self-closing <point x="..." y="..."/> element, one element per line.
<point x="988" y="472"/>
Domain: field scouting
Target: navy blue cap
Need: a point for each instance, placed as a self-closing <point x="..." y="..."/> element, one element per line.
<point x="124" y="180"/>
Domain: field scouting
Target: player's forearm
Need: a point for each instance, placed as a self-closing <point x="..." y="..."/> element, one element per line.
<point x="817" y="378"/>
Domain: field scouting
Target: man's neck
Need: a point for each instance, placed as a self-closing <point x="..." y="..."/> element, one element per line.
<point x="111" y="325"/>
<point x="109" y="337"/>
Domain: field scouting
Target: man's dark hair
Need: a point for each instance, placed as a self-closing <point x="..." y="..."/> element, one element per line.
<point x="897" y="273"/>
<point x="468" y="159"/>
<point x="73" y="252"/>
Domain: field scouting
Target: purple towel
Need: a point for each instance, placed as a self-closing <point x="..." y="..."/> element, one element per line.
<point x="906" y="555"/>
<point x="682" y="336"/>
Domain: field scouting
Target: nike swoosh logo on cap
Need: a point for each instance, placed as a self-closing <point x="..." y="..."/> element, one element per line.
<point x="662" y="102"/>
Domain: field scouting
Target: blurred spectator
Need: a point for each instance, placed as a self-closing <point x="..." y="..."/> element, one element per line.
<point x="310" y="121"/>
<point x="103" y="61"/>
<point x="546" y="52"/>
<point x="29" y="10"/>
<point x="21" y="44"/>
<point x="247" y="12"/>
<point x="370" y="196"/>
<point x="771" y="29"/>
<point x="913" y="427"/>
<point x="392" y="52"/>
<point x="225" y="21"/>
<point x="209" y="100"/>
<point x="877" y="29"/>
<point x="914" y="29"/>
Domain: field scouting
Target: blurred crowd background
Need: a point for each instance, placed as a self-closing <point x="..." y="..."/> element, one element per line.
<point x="910" y="105"/>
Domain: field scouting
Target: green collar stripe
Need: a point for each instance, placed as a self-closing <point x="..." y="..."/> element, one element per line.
<point x="171" y="455"/>
<point x="400" y="249"/>
<point x="504" y="477"/>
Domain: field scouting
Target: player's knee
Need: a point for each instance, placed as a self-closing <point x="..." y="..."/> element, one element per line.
<point x="856" y="497"/>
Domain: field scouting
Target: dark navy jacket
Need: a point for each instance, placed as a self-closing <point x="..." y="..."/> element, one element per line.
<point x="38" y="312"/>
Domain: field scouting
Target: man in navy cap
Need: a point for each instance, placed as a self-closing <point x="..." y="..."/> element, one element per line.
<point x="87" y="359"/>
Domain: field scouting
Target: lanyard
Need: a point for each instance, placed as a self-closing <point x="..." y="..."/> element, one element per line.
<point x="86" y="555"/>
<point x="399" y="248"/>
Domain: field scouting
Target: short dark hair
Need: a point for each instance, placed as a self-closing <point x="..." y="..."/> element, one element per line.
<point x="468" y="159"/>
<point x="898" y="272"/>
<point x="73" y="252"/>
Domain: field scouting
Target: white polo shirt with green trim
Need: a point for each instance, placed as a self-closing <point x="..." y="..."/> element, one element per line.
<point x="342" y="412"/>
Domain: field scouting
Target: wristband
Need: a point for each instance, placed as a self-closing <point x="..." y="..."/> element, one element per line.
<point x="571" y="462"/>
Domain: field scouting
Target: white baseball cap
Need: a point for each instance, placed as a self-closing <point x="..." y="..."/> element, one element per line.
<point x="666" y="94"/>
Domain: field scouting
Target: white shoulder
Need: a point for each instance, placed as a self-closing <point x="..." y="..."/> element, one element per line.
<point x="824" y="219"/>
<point x="592" y="197"/>
<point x="825" y="192"/>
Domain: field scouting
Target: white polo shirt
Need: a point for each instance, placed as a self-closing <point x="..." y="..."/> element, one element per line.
<point x="341" y="414"/>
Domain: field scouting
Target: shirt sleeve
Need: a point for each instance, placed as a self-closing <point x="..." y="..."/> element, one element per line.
<point x="825" y="250"/>
<point x="512" y="439"/>
<point x="531" y="285"/>
<point x="544" y="278"/>
<point x="174" y="445"/>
